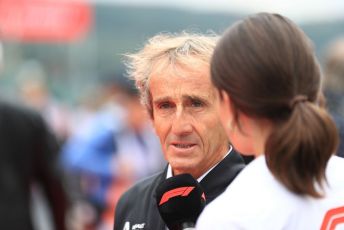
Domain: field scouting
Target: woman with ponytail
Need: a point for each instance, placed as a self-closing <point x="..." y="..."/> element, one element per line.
<point x="269" y="82"/>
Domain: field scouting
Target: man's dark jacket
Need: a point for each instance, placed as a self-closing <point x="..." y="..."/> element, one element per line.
<point x="28" y="152"/>
<point x="137" y="208"/>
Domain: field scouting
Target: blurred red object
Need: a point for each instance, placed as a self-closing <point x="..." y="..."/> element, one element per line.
<point x="44" y="20"/>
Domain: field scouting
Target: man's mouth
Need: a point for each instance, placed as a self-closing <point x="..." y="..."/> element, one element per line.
<point x="183" y="146"/>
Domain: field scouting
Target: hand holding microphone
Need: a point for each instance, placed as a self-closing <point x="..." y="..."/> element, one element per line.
<point x="180" y="201"/>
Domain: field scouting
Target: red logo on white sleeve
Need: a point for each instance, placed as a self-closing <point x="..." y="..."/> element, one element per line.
<point x="333" y="218"/>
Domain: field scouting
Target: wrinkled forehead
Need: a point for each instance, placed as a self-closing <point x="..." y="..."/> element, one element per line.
<point x="180" y="80"/>
<point x="190" y="64"/>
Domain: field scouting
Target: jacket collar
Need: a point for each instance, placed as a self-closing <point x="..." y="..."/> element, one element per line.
<point x="218" y="179"/>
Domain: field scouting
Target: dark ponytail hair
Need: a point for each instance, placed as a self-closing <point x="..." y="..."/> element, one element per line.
<point x="267" y="66"/>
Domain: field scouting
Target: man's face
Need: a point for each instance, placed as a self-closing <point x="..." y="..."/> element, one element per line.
<point x="186" y="119"/>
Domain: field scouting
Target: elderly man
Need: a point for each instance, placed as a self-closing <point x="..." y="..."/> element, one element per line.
<point x="172" y="74"/>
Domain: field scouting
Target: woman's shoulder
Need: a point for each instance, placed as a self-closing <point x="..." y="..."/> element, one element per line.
<point x="255" y="175"/>
<point x="335" y="172"/>
<point x="251" y="198"/>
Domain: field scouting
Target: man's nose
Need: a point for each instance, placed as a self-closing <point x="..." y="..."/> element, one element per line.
<point x="182" y="123"/>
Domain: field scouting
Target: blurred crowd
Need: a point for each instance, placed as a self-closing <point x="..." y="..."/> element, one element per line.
<point x="334" y="86"/>
<point x="106" y="143"/>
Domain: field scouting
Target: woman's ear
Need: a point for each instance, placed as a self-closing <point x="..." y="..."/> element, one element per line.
<point x="225" y="111"/>
<point x="224" y="96"/>
<point x="225" y="101"/>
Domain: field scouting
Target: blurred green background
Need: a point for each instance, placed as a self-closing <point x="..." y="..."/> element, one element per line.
<point x="71" y="68"/>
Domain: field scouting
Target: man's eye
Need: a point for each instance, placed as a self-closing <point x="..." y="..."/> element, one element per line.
<point x="164" y="105"/>
<point x="196" y="104"/>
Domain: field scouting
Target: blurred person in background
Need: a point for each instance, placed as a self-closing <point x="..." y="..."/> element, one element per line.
<point x="334" y="86"/>
<point x="34" y="92"/>
<point x="172" y="75"/>
<point x="113" y="149"/>
<point x="139" y="150"/>
<point x="28" y="152"/>
<point x="270" y="83"/>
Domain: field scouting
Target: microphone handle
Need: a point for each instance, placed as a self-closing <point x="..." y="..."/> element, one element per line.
<point x="188" y="226"/>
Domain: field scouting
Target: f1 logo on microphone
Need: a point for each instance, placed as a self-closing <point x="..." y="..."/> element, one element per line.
<point x="182" y="191"/>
